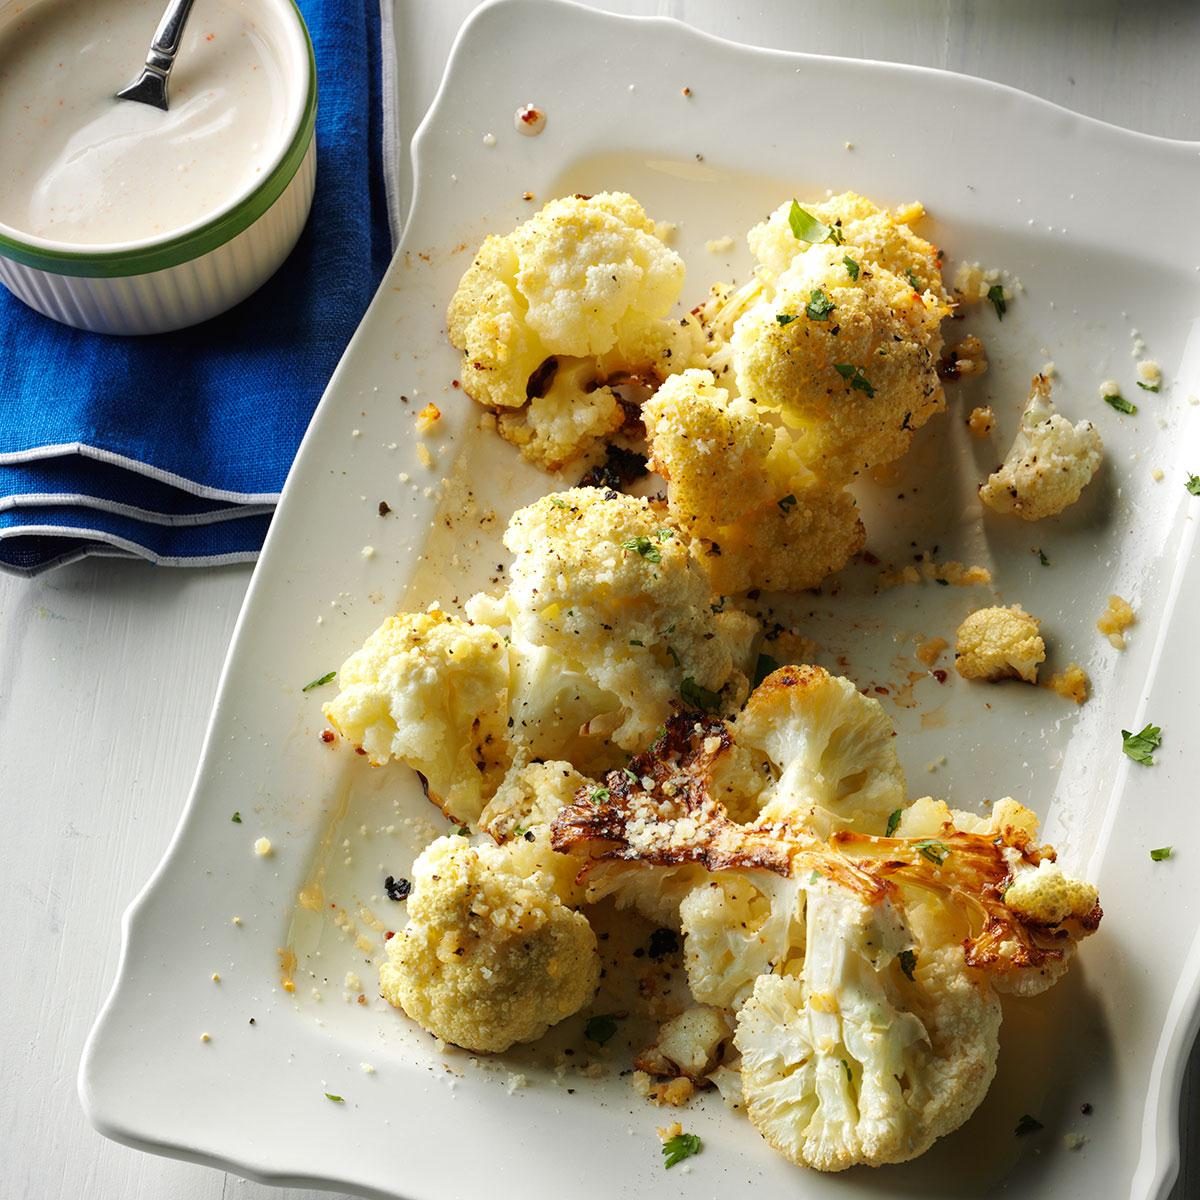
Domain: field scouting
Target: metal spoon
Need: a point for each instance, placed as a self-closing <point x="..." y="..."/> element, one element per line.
<point x="150" y="87"/>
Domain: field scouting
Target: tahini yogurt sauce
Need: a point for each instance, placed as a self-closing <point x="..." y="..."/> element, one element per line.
<point x="80" y="167"/>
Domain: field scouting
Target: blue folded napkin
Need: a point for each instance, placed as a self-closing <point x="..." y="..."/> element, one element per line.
<point x="175" y="447"/>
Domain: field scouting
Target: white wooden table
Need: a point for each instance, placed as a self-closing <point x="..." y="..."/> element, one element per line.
<point x="108" y="669"/>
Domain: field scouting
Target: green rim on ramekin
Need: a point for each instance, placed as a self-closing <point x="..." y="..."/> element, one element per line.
<point x="111" y="264"/>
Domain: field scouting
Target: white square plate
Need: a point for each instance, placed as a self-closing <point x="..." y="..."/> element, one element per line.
<point x="1099" y="226"/>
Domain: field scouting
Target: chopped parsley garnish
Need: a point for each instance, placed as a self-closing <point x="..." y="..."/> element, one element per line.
<point x="674" y="656"/>
<point x="645" y="547"/>
<point x="631" y="775"/>
<point x="1163" y="852"/>
<point x="1117" y="401"/>
<point x="894" y="820"/>
<point x="785" y="318"/>
<point x="851" y="266"/>
<point x="996" y="296"/>
<point x="665" y="535"/>
<point x="912" y="279"/>
<point x="681" y="1146"/>
<point x="1141" y="746"/>
<point x="1193" y="484"/>
<point x="636" y="642"/>
<point x="599" y="795"/>
<point x="558" y="502"/>
<point x="600" y="1029"/>
<point x="765" y="665"/>
<point x="698" y="697"/>
<point x="1027" y="1124"/>
<point x="1042" y="558"/>
<point x="463" y="831"/>
<point x="936" y="852"/>
<point x="908" y="962"/>
<point x="236" y="818"/>
<point x="854" y="377"/>
<point x="819" y="306"/>
<point x="814" y="877"/>
<point x="397" y="889"/>
<point x="788" y="502"/>
<point x="335" y="1099"/>
<point x="328" y="677"/>
<point x="1149" y="387"/>
<point x="806" y="227"/>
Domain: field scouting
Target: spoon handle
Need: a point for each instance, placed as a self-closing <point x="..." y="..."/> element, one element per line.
<point x="150" y="87"/>
<point x="168" y="35"/>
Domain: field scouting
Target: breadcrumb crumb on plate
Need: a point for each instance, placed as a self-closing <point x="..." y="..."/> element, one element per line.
<point x="931" y="650"/>
<point x="1117" y="617"/>
<point x="965" y="360"/>
<point x="953" y="573"/>
<point x="428" y="417"/>
<point x="1072" y="683"/>
<point x="981" y="422"/>
<point x="972" y="281"/>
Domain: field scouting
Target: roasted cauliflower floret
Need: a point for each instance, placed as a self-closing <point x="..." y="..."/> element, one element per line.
<point x="849" y="364"/>
<point x="559" y="712"/>
<point x="607" y="582"/>
<point x="594" y="273"/>
<point x="486" y="321"/>
<point x="488" y="957"/>
<point x="853" y="1061"/>
<point x="518" y="817"/>
<point x="555" y="710"/>
<point x="738" y="926"/>
<point x="660" y="811"/>
<point x="999" y="643"/>
<point x="953" y="872"/>
<point x="567" y="421"/>
<point x="1050" y="463"/>
<point x="930" y="818"/>
<point x="1045" y="896"/>
<point x="789" y="546"/>
<point x="867" y="233"/>
<point x="872" y="969"/>
<point x="547" y="314"/>
<point x="831" y="747"/>
<point x="714" y="452"/>
<point x="690" y="1044"/>
<point x="432" y="691"/>
<point x="736" y="484"/>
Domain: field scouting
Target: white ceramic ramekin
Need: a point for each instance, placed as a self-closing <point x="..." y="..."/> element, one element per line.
<point x="167" y="283"/>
